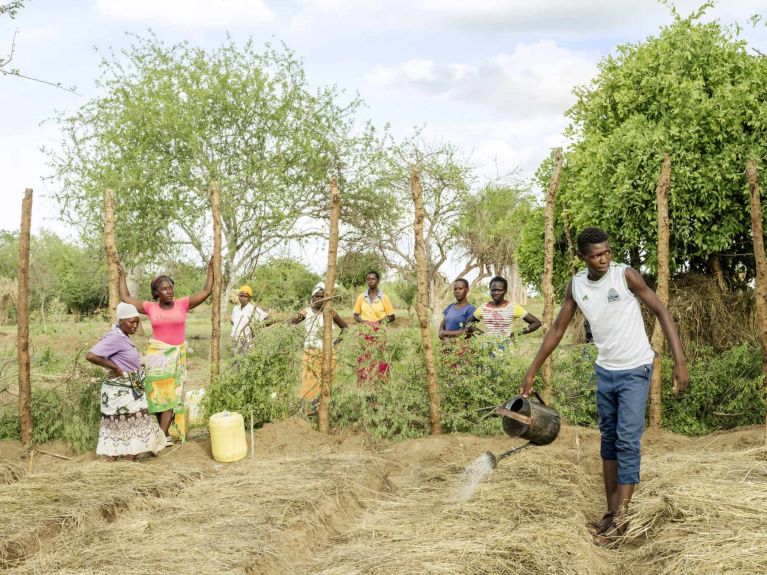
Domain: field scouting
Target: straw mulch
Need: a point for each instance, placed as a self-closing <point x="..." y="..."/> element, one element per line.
<point x="702" y="512"/>
<point x="527" y="517"/>
<point x="36" y="508"/>
<point x="254" y="516"/>
<point x="10" y="472"/>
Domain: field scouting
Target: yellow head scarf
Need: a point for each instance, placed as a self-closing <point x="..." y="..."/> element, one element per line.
<point x="247" y="289"/>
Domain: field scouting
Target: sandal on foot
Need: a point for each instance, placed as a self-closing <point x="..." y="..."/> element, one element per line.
<point x="599" y="527"/>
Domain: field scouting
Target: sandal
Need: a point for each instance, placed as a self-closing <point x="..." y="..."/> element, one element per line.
<point x="599" y="527"/>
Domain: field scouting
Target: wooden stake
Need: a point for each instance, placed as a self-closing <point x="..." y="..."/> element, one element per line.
<point x="757" y="233"/>
<point x="252" y="438"/>
<point x="110" y="247"/>
<point x="22" y="324"/>
<point x="323" y="413"/>
<point x="215" y="312"/>
<point x="658" y="340"/>
<point x="547" y="283"/>
<point x="422" y="304"/>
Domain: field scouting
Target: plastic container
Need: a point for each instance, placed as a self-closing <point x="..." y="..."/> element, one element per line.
<point x="227" y="436"/>
<point x="192" y="400"/>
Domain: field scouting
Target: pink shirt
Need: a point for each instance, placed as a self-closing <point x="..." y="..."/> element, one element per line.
<point x="168" y="325"/>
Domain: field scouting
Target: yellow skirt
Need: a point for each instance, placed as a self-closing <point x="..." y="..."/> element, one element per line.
<point x="311" y="374"/>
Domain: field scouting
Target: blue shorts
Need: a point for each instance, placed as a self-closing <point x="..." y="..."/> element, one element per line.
<point x="621" y="404"/>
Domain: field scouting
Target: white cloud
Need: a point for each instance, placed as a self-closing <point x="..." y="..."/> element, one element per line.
<point x="480" y="15"/>
<point x="189" y="13"/>
<point x="536" y="79"/>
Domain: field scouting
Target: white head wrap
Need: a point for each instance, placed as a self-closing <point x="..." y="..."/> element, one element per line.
<point x="126" y="310"/>
<point x="319" y="287"/>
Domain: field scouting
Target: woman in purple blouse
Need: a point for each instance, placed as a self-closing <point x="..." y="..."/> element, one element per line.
<point x="127" y="429"/>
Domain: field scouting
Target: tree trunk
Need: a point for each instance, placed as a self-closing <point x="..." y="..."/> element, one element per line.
<point x="757" y="232"/>
<point x="327" y="310"/>
<point x="547" y="286"/>
<point x="22" y="322"/>
<point x="716" y="267"/>
<point x="422" y="304"/>
<point x="517" y="288"/>
<point x="658" y="341"/>
<point x="110" y="247"/>
<point x="571" y="251"/>
<point x="215" y="312"/>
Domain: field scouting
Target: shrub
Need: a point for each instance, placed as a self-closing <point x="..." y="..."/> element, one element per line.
<point x="263" y="382"/>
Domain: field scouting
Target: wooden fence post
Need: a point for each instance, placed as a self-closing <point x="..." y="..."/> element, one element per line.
<point x="215" y="312"/>
<point x="110" y="247"/>
<point x="422" y="304"/>
<point x="547" y="283"/>
<point x="22" y="324"/>
<point x="658" y="340"/>
<point x="757" y="233"/>
<point x="323" y="413"/>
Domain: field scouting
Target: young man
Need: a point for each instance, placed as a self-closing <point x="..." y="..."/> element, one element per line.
<point x="456" y="315"/>
<point x="608" y="294"/>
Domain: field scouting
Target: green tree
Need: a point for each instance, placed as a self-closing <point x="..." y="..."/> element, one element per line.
<point x="695" y="92"/>
<point x="173" y="119"/>
<point x="283" y="284"/>
<point x="354" y="266"/>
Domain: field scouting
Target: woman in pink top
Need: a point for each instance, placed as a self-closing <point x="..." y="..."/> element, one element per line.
<point x="166" y="353"/>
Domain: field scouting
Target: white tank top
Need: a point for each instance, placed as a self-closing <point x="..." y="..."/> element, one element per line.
<point x="615" y="317"/>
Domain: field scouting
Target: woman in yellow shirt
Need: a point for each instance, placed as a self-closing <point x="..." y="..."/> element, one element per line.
<point x="373" y="308"/>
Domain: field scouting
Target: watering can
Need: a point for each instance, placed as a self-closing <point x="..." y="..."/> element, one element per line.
<point x="527" y="419"/>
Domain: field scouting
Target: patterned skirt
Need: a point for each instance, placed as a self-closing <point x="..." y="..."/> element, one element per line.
<point x="127" y="428"/>
<point x="129" y="434"/>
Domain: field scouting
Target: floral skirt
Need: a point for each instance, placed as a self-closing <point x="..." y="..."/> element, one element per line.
<point x="129" y="434"/>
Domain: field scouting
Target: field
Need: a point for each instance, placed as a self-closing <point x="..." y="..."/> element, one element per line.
<point x="343" y="504"/>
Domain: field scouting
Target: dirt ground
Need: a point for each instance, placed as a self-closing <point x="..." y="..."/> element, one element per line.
<point x="309" y="503"/>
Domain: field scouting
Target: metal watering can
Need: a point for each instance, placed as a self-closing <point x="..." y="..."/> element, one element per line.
<point x="531" y="420"/>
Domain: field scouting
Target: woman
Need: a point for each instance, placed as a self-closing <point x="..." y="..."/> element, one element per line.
<point x="166" y="353"/>
<point x="499" y="315"/>
<point x="456" y="315"/>
<point x="242" y="316"/>
<point x="127" y="429"/>
<point x="374" y="309"/>
<point x="311" y="364"/>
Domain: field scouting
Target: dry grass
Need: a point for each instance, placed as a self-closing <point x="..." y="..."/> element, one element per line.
<point x="39" y="506"/>
<point x="526" y="518"/>
<point x="10" y="472"/>
<point x="703" y="512"/>
<point x="254" y="517"/>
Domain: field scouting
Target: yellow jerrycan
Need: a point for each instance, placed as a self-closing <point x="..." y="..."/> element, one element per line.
<point x="227" y="436"/>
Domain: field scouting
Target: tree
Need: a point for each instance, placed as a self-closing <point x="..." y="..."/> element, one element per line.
<point x="695" y="92"/>
<point x="353" y="267"/>
<point x="490" y="228"/>
<point x="283" y="284"/>
<point x="387" y="229"/>
<point x="175" y="118"/>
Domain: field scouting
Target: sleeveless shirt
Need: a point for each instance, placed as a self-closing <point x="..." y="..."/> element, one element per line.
<point x="615" y="317"/>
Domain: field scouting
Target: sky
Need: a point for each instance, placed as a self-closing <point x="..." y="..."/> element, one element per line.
<point x="493" y="76"/>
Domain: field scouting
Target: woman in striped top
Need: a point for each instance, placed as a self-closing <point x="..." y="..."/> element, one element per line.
<point x="499" y="314"/>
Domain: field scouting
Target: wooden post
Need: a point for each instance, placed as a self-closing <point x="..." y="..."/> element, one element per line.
<point x="215" y="312"/>
<point x="110" y="247"/>
<point x="658" y="340"/>
<point x="571" y="251"/>
<point x="422" y="304"/>
<point x="22" y="324"/>
<point x="323" y="413"/>
<point x="757" y="233"/>
<point x="547" y="283"/>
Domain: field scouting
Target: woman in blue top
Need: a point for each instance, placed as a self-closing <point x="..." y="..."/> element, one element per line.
<point x="456" y="314"/>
